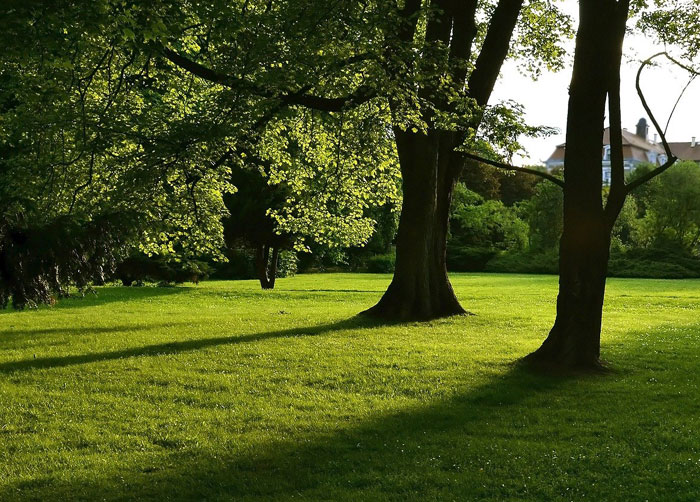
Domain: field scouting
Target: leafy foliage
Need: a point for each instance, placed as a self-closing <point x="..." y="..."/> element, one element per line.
<point x="544" y="214"/>
<point x="37" y="262"/>
<point x="476" y="222"/>
<point x="672" y="204"/>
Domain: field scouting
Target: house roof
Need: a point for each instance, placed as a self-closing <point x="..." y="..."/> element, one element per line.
<point x="685" y="151"/>
<point x="631" y="139"/>
<point x="558" y="154"/>
<point x="634" y="147"/>
<point x="630" y="152"/>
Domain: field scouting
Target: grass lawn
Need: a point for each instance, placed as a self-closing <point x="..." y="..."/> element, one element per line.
<point x="225" y="392"/>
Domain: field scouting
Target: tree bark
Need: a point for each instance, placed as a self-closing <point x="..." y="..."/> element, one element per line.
<point x="420" y="288"/>
<point x="574" y="341"/>
<point x="272" y="275"/>
<point x="262" y="266"/>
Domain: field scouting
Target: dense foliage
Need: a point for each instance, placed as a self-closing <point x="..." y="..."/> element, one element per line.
<point x="657" y="233"/>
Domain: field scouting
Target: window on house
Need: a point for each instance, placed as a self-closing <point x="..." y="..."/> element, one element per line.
<point x="606" y="152"/>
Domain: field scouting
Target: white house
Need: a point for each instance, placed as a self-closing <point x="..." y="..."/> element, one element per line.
<point x="636" y="149"/>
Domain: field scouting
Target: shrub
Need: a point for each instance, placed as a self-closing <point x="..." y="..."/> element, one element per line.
<point x="39" y="262"/>
<point x="468" y="259"/>
<point x="658" y="263"/>
<point x="140" y="268"/>
<point x="381" y="264"/>
<point x="480" y="224"/>
<point x="528" y="262"/>
<point x="648" y="269"/>
<point x="544" y="214"/>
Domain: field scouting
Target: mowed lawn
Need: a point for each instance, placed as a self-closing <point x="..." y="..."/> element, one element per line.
<point x="222" y="391"/>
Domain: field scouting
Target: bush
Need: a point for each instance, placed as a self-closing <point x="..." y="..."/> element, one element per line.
<point x="654" y="263"/>
<point x="468" y="259"/>
<point x="544" y="215"/>
<point x="648" y="269"/>
<point x="381" y="263"/>
<point x="476" y="223"/>
<point x="141" y="268"/>
<point x="528" y="262"/>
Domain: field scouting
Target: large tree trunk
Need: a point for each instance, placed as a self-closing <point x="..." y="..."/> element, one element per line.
<point x="430" y="166"/>
<point x="420" y="288"/>
<point x="574" y="341"/>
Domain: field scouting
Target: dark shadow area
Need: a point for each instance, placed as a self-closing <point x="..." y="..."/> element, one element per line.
<point x="107" y="294"/>
<point x="517" y="436"/>
<point x="13" y="338"/>
<point x="117" y="294"/>
<point x="332" y="290"/>
<point x="83" y="330"/>
<point x="384" y="458"/>
<point x="184" y="346"/>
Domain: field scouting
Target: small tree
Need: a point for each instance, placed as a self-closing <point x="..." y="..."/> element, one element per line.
<point x="249" y="221"/>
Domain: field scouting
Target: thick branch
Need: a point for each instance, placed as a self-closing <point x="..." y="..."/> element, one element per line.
<point x="202" y="71"/>
<point x="439" y="24"/>
<point x="494" y="50"/>
<point x="408" y="20"/>
<point x="508" y="167"/>
<point x="616" y="198"/>
<point x="300" y="97"/>
<point x="463" y="33"/>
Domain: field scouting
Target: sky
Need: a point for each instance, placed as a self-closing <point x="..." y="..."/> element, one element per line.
<point x="546" y="99"/>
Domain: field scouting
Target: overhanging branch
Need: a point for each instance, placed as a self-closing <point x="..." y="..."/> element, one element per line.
<point x="662" y="133"/>
<point x="508" y="167"/>
<point x="300" y="97"/>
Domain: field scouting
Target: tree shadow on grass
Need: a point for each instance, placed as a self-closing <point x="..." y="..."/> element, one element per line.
<point x="15" y="338"/>
<point x="374" y="291"/>
<point x="405" y="455"/>
<point x="169" y="348"/>
<point x="116" y="294"/>
<point x="107" y="294"/>
<point x="517" y="436"/>
<point x="83" y="330"/>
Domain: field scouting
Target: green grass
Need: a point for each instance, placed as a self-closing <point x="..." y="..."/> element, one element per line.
<point x="226" y="392"/>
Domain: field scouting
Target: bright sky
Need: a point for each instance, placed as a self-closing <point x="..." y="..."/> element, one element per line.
<point x="545" y="100"/>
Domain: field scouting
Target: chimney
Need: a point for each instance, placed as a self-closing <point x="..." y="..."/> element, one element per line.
<point x="656" y="138"/>
<point x="693" y="143"/>
<point x="642" y="128"/>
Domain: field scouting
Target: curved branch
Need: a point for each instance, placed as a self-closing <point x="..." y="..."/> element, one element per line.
<point x="361" y="95"/>
<point x="508" y="167"/>
<point x="680" y="96"/>
<point x="662" y="133"/>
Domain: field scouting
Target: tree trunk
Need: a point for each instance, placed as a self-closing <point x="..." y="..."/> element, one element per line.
<point x="420" y="288"/>
<point x="430" y="166"/>
<point x="272" y="274"/>
<point x="574" y="341"/>
<point x="262" y="253"/>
